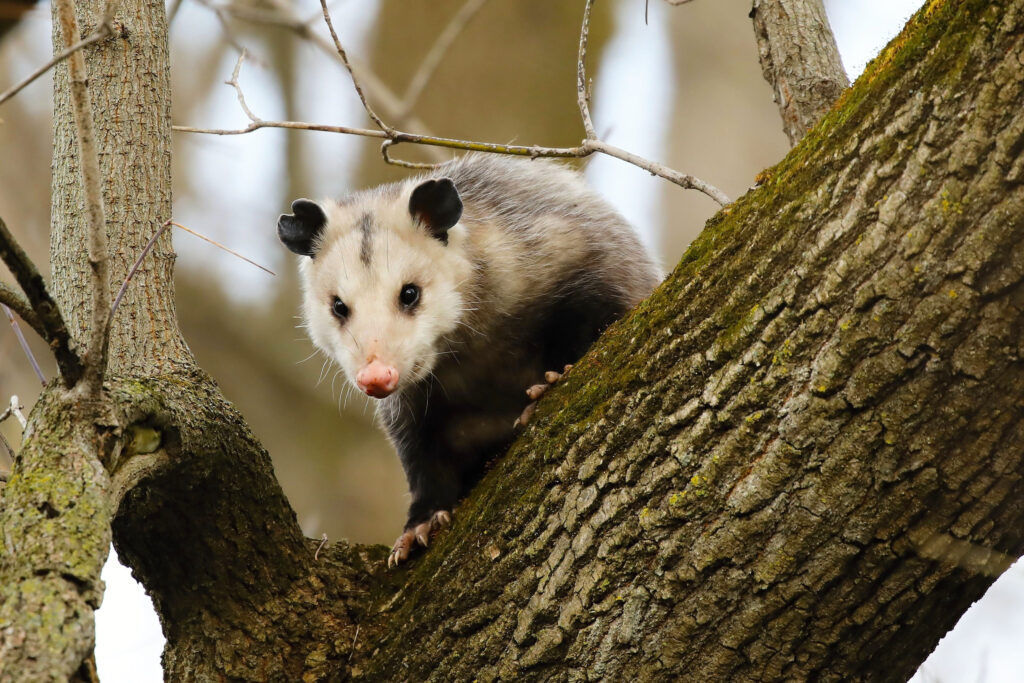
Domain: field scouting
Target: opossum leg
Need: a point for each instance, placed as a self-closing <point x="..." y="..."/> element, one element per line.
<point x="535" y="392"/>
<point x="419" y="534"/>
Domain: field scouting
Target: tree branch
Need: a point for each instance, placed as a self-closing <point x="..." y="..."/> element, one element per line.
<point x="20" y="305"/>
<point x="24" y="343"/>
<point x="582" y="89"/>
<point x="392" y="137"/>
<point x="92" y="178"/>
<point x="104" y="30"/>
<point x="54" y="329"/>
<point x="799" y="59"/>
<point x="355" y="80"/>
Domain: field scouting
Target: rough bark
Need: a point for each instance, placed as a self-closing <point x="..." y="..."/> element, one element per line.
<point x="129" y="84"/>
<point x="799" y="459"/>
<point x="799" y="59"/>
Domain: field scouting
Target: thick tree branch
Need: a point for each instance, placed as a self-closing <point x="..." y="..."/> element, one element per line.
<point x="799" y="59"/>
<point x="51" y="324"/>
<point x="55" y="523"/>
<point x="92" y="178"/>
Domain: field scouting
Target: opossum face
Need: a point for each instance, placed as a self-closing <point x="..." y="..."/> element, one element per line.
<point x="381" y="286"/>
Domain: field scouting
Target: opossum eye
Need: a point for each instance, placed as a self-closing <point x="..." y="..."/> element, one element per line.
<point x="339" y="309"/>
<point x="409" y="296"/>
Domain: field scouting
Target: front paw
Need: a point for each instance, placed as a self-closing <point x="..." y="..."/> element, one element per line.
<point x="418" y="534"/>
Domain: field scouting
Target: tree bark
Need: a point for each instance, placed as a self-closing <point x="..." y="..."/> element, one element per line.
<point x="800" y="60"/>
<point x="799" y="459"/>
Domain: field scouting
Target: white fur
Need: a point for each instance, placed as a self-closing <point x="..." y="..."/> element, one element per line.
<point x="402" y="253"/>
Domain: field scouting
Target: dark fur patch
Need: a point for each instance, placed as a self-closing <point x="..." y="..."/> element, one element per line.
<point x="299" y="231"/>
<point x="366" y="247"/>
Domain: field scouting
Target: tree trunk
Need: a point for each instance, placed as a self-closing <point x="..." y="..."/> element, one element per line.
<point x="800" y="458"/>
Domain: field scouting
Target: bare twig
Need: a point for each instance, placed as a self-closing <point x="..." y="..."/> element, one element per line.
<point x="131" y="272"/>
<point x="24" y="345"/>
<point x="96" y="355"/>
<point x="9" y="297"/>
<point x="680" y="179"/>
<point x="355" y="80"/>
<point x="582" y="92"/>
<point x="5" y="473"/>
<point x="104" y="30"/>
<point x="55" y="331"/>
<point x="392" y="136"/>
<point x="221" y="246"/>
<point x="284" y="16"/>
<point x="323" y="542"/>
<point x="149" y="246"/>
<point x="354" y="639"/>
<point x="437" y="51"/>
<point x="14" y="408"/>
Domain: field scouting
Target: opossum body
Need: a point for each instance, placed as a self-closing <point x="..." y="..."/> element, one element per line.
<point x="445" y="296"/>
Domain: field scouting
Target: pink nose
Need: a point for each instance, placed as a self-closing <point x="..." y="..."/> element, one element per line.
<point x="377" y="379"/>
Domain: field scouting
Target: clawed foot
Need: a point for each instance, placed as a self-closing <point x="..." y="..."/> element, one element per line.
<point x="535" y="392"/>
<point x="419" y="534"/>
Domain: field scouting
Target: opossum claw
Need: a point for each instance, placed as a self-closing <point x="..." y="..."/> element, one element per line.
<point x="535" y="392"/>
<point x="418" y="534"/>
<point x="400" y="551"/>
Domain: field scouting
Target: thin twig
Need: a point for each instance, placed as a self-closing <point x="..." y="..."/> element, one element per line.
<point x="238" y="89"/>
<point x="104" y="30"/>
<point x="680" y="179"/>
<point x="149" y="246"/>
<point x="32" y="284"/>
<point x="283" y="16"/>
<point x="354" y="639"/>
<point x="392" y="136"/>
<point x="582" y="93"/>
<point x="14" y="408"/>
<point x="221" y="246"/>
<point x="355" y="81"/>
<point x="24" y="345"/>
<point x="92" y="189"/>
<point x="22" y="307"/>
<point x="131" y="272"/>
<point x="437" y="51"/>
<point x="5" y="473"/>
<point x="323" y="542"/>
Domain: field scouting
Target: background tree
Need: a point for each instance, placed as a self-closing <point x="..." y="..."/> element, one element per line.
<point x="799" y="454"/>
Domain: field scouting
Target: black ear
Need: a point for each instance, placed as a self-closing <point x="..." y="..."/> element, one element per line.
<point x="298" y="232"/>
<point x="436" y="204"/>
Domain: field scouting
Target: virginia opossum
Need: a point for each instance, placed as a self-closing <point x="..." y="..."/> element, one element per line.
<point x="446" y="295"/>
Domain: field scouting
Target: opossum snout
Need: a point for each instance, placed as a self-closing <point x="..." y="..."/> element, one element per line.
<point x="377" y="379"/>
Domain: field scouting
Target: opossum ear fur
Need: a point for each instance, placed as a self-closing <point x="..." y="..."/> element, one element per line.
<point x="436" y="204"/>
<point x="298" y="232"/>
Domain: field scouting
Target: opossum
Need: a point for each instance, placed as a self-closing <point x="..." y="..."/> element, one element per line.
<point x="445" y="296"/>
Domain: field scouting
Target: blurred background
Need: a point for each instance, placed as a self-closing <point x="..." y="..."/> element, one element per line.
<point x="679" y="85"/>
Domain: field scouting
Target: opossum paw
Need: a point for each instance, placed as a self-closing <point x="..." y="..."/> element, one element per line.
<point x="535" y="392"/>
<point x="419" y="534"/>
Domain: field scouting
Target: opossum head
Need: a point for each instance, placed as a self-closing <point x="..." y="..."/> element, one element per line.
<point x="383" y="279"/>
